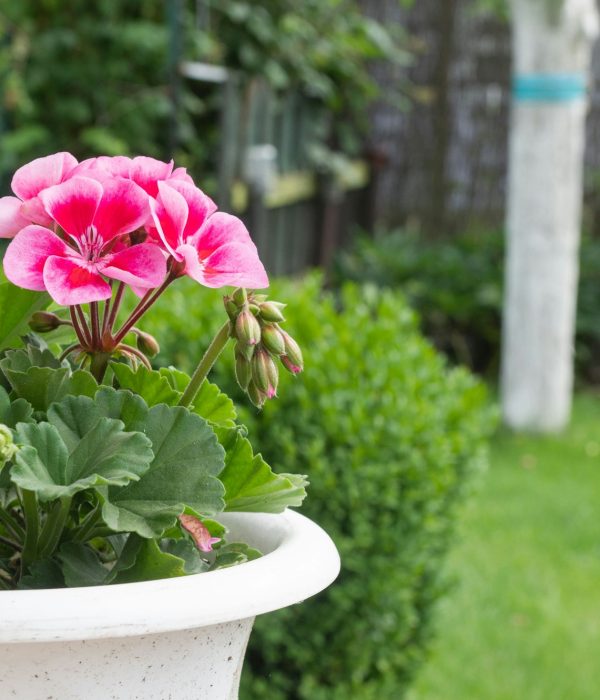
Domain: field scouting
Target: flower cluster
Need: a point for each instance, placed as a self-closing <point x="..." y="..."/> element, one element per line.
<point x="76" y="227"/>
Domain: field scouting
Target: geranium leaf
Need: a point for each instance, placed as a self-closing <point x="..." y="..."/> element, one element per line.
<point x="211" y="403"/>
<point x="250" y="484"/>
<point x="11" y="413"/>
<point x="232" y="554"/>
<point x="184" y="549"/>
<point x="42" y="386"/>
<point x="16" y="307"/>
<point x="124" y="405"/>
<point x="151" y="563"/>
<point x="73" y="417"/>
<point x="184" y="471"/>
<point x="43" y="574"/>
<point x="59" y="460"/>
<point x="81" y="565"/>
<point x="149" y="384"/>
<point x="214" y="406"/>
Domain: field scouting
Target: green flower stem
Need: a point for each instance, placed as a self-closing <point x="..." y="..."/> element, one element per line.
<point x="12" y="525"/>
<point x="143" y="306"/>
<point x="79" y="325"/>
<point x="210" y="357"/>
<point x="88" y="524"/>
<point x="32" y="527"/>
<point x="110" y="321"/>
<point x="99" y="365"/>
<point x="95" y="316"/>
<point x="54" y="526"/>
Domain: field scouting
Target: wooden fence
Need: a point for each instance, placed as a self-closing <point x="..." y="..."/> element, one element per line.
<point x="298" y="215"/>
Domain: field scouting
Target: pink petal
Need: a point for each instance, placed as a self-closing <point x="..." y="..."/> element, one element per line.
<point x="235" y="264"/>
<point x="199" y="532"/>
<point x="200" y="205"/>
<point x="26" y="256"/>
<point x="34" y="177"/>
<point x="146" y="172"/>
<point x="33" y="210"/>
<point x="143" y="266"/>
<point x="119" y="166"/>
<point x="122" y="209"/>
<point x="220" y="229"/>
<point x="73" y="204"/>
<point x="70" y="281"/>
<point x="180" y="174"/>
<point x="169" y="213"/>
<point x="193" y="266"/>
<point x="11" y="221"/>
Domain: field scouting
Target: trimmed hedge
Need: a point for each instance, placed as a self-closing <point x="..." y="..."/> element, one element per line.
<point x="389" y="437"/>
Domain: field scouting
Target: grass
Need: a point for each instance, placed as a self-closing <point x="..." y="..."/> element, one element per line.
<point x="523" y="621"/>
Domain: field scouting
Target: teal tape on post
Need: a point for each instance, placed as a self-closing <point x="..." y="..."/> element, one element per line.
<point x="547" y="87"/>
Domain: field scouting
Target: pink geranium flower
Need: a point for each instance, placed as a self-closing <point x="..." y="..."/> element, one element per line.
<point x="96" y="218"/>
<point x="213" y="248"/>
<point x="27" y="183"/>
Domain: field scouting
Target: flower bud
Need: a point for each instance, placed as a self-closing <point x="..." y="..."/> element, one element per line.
<point x="273" y="374"/>
<point x="247" y="328"/>
<point x="243" y="371"/>
<point x="231" y="307"/>
<point x="240" y="297"/>
<point x="8" y="448"/>
<point x="254" y="309"/>
<point x="44" y="322"/>
<point x="273" y="340"/>
<point x="265" y="374"/>
<point x="147" y="343"/>
<point x="289" y="365"/>
<point x="245" y="350"/>
<point x="293" y="352"/>
<point x="271" y="311"/>
<point x="258" y="298"/>
<point x="257" y="397"/>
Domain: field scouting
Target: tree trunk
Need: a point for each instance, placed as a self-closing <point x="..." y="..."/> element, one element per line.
<point x="552" y="54"/>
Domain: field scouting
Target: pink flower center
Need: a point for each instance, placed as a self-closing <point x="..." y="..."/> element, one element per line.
<point x="90" y="244"/>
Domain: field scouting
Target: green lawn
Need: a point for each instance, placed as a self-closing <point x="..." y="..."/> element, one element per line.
<point x="523" y="622"/>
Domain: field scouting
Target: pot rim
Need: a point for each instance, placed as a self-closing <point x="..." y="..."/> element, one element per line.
<point x="299" y="560"/>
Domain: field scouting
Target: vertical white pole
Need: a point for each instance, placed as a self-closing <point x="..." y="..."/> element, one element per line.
<point x="552" y="55"/>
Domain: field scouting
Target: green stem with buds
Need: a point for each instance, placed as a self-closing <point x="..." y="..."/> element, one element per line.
<point x="210" y="357"/>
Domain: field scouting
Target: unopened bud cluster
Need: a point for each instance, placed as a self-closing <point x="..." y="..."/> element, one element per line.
<point x="260" y="342"/>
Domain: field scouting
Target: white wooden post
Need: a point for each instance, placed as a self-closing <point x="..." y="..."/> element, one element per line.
<point x="552" y="54"/>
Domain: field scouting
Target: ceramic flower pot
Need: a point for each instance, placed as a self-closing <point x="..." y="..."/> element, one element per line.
<point x="180" y="638"/>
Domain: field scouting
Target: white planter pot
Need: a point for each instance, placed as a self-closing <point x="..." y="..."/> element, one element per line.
<point x="180" y="639"/>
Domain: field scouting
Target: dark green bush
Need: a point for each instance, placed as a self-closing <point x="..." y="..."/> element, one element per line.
<point x="456" y="286"/>
<point x="389" y="437"/>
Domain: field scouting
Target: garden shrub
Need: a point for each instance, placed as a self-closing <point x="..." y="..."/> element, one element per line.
<point x="389" y="437"/>
<point x="456" y="286"/>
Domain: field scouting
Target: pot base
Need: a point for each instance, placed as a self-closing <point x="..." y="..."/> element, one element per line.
<point x="184" y="665"/>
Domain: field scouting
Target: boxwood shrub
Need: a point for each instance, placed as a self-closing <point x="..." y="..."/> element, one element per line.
<point x="389" y="437"/>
